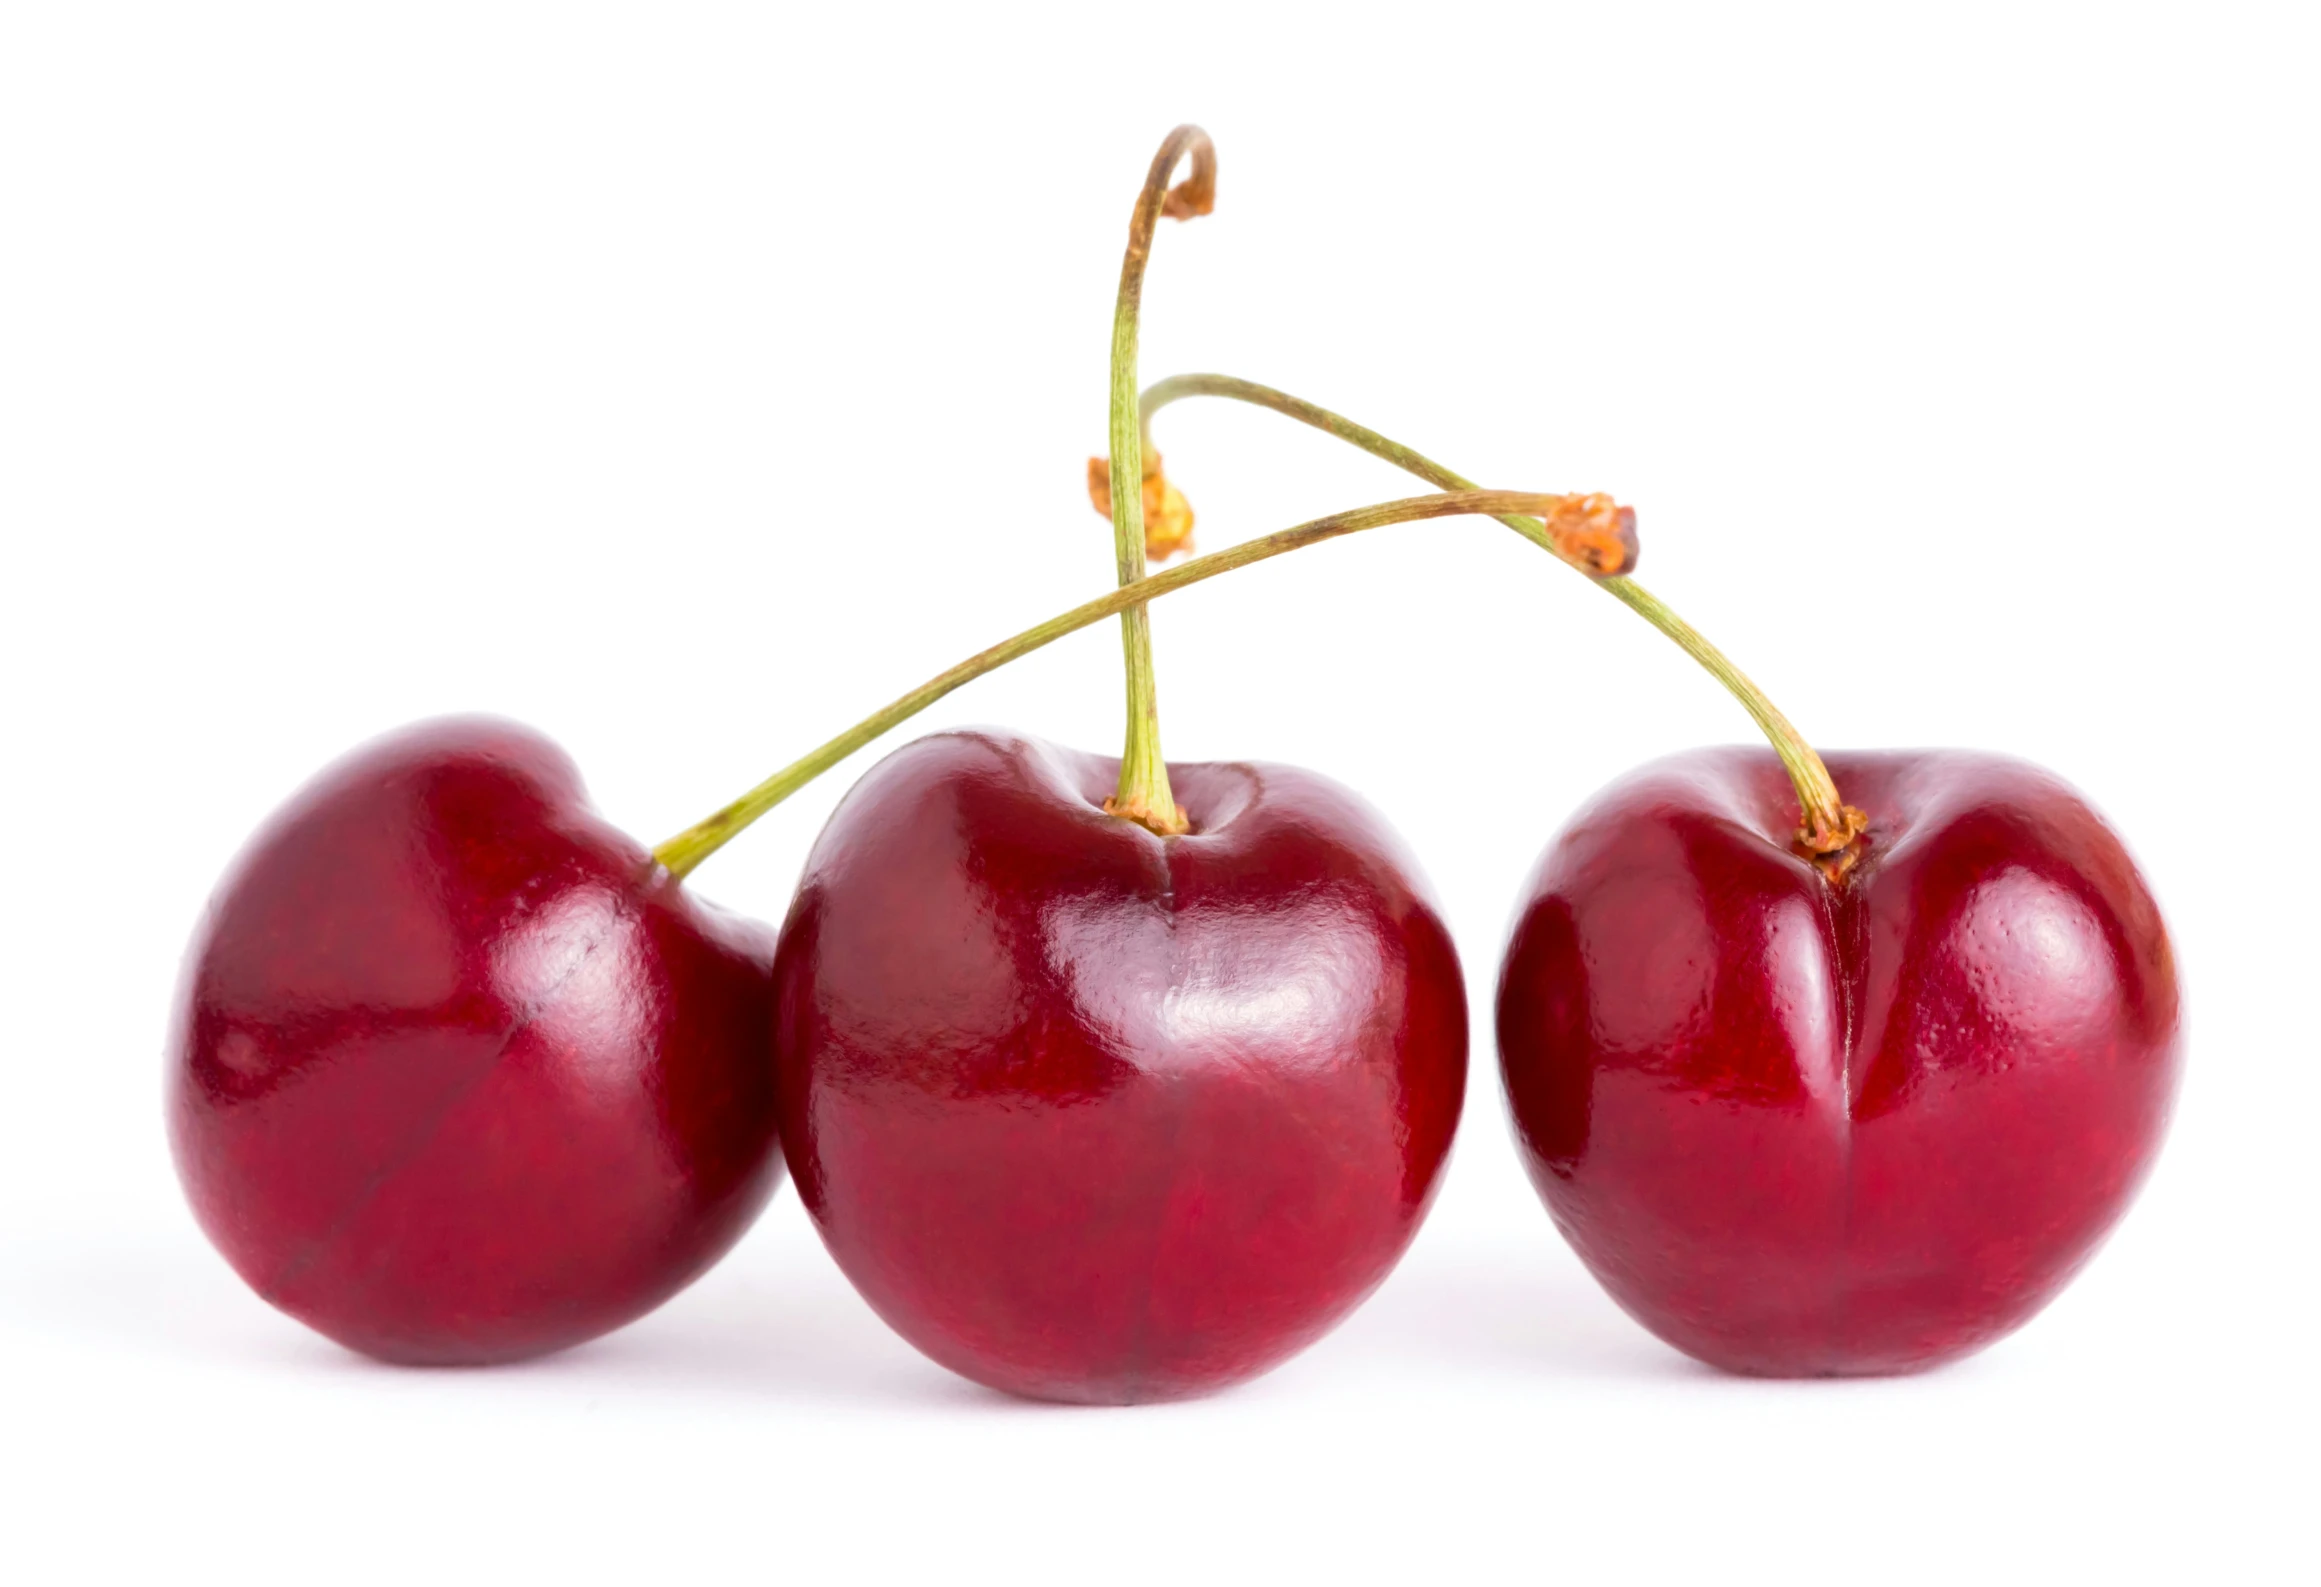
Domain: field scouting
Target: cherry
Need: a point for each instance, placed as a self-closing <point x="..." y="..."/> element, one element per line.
<point x="1091" y="1114"/>
<point x="459" y="1074"/>
<point x="1805" y="1126"/>
<point x="1112" y="1081"/>
<point x="1816" y="1088"/>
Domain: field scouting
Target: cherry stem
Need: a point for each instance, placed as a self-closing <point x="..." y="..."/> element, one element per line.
<point x="1830" y="826"/>
<point x="1143" y="794"/>
<point x="696" y="843"/>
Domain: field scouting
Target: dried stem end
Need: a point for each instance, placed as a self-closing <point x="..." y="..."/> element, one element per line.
<point x="1834" y="846"/>
<point x="1595" y="534"/>
<point x="1171" y="824"/>
<point x="1168" y="517"/>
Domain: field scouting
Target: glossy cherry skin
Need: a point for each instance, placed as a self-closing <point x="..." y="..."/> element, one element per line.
<point x="1798" y="1128"/>
<point x="1092" y="1115"/>
<point x="458" y="1073"/>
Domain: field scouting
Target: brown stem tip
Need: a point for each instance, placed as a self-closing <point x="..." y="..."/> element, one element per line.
<point x="1595" y="533"/>
<point x="1168" y="517"/>
<point x="1171" y="824"/>
<point x="1834" y="846"/>
<point x="1197" y="193"/>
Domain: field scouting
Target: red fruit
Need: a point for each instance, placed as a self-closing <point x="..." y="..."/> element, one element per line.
<point x="458" y="1073"/>
<point x="1798" y="1127"/>
<point x="1089" y="1114"/>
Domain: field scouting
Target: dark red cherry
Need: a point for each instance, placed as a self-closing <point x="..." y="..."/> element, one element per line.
<point x="1798" y="1127"/>
<point x="1089" y="1114"/>
<point x="458" y="1073"/>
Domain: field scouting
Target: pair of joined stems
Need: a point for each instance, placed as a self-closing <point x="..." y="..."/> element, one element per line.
<point x="697" y="842"/>
<point x="1829" y="826"/>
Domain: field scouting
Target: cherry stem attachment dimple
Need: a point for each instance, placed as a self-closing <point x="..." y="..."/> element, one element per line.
<point x="1830" y="829"/>
<point x="696" y="843"/>
<point x="1143" y="794"/>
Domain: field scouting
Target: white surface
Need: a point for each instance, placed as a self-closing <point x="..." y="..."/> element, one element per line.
<point x="604" y="370"/>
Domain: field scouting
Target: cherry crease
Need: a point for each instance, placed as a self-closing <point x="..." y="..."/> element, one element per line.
<point x="1092" y="1115"/>
<point x="458" y="1074"/>
<point x="1798" y="1128"/>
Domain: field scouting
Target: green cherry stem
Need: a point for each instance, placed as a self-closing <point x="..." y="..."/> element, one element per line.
<point x="1144" y="795"/>
<point x="1830" y="826"/>
<point x="697" y="842"/>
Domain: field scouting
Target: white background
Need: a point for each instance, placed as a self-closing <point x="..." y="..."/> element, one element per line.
<point x="687" y="380"/>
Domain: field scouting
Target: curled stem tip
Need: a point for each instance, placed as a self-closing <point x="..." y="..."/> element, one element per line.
<point x="1196" y="195"/>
